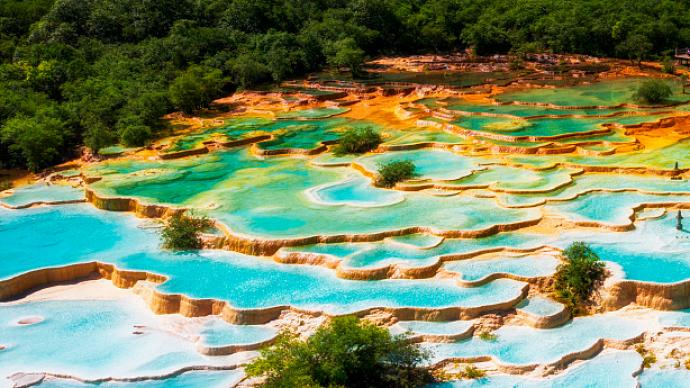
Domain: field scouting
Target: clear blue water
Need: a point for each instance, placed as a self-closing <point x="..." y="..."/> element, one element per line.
<point x="663" y="258"/>
<point x="680" y="318"/>
<point x="667" y="378"/>
<point x="92" y="339"/>
<point x="437" y="328"/>
<point x="613" y="369"/>
<point x="207" y="379"/>
<point x="217" y="332"/>
<point x="610" y="208"/>
<point x="539" y="305"/>
<point x="528" y="266"/>
<point x="244" y="281"/>
<point x="527" y="345"/>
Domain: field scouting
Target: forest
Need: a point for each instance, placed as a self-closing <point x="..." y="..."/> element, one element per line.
<point x="100" y="72"/>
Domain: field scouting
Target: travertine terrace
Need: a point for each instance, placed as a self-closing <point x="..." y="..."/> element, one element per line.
<point x="512" y="167"/>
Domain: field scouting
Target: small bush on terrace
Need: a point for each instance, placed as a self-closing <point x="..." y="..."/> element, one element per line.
<point x="653" y="91"/>
<point x="5" y="185"/>
<point x="488" y="336"/>
<point x="579" y="276"/>
<point x="472" y="372"/>
<point x="357" y="141"/>
<point x="181" y="232"/>
<point x="395" y="171"/>
<point x="346" y="352"/>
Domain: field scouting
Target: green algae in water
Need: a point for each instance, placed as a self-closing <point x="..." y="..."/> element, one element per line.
<point x="313" y="113"/>
<point x="421" y="241"/>
<point x="266" y="197"/>
<point x="524" y="111"/>
<point x="429" y="164"/>
<point x="512" y="178"/>
<point x="42" y="192"/>
<point x="355" y="192"/>
<point x="657" y="158"/>
<point x="423" y="135"/>
<point x="602" y="93"/>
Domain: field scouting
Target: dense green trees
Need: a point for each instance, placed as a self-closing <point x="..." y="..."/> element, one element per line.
<point x="109" y="69"/>
<point x="345" y="352"/>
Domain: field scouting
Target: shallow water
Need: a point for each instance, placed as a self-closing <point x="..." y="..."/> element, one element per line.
<point x="93" y="339"/>
<point x="210" y="379"/>
<point x="612" y="369"/>
<point x="530" y="266"/>
<point x="525" y="345"/>
<point x="243" y="281"/>
<point x="42" y="192"/>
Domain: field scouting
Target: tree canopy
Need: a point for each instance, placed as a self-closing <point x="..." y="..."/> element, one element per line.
<point x="346" y="352"/>
<point x="97" y="72"/>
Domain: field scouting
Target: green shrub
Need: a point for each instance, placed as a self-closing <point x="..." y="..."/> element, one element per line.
<point x="357" y="141"/>
<point x="648" y="357"/>
<point x="344" y="353"/>
<point x="182" y="232"/>
<point x="488" y="336"/>
<point x="5" y="185"/>
<point x="395" y="171"/>
<point x="653" y="91"/>
<point x="668" y="67"/>
<point x="579" y="276"/>
<point x="472" y="372"/>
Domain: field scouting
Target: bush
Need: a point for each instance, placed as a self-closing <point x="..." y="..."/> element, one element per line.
<point x="579" y="277"/>
<point x="135" y="135"/>
<point x="182" y="232"/>
<point x="472" y="372"/>
<point x="668" y="67"/>
<point x="648" y="357"/>
<point x="5" y="185"/>
<point x="395" y="171"/>
<point x="344" y="353"/>
<point x="357" y="141"/>
<point x="488" y="336"/>
<point x="653" y="91"/>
